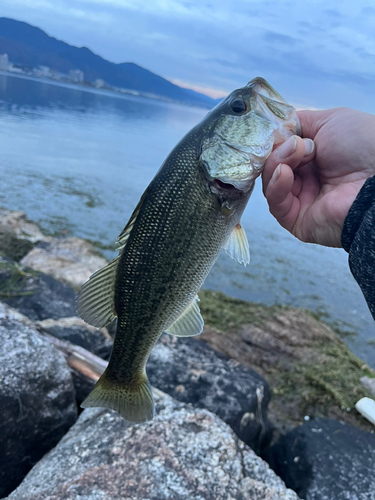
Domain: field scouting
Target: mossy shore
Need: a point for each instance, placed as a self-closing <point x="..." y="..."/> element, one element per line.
<point x="310" y="370"/>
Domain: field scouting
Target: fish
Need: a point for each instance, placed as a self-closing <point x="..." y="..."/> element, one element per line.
<point x="188" y="214"/>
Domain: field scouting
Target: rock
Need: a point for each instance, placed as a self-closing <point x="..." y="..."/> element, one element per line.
<point x="13" y="247"/>
<point x="192" y="372"/>
<point x="182" y="453"/>
<point x="325" y="459"/>
<point x="366" y="407"/>
<point x="18" y="223"/>
<point x="37" y="398"/>
<point x="310" y="370"/>
<point x="71" y="260"/>
<point x="35" y="295"/>
<point x="82" y="385"/>
<point x="76" y="331"/>
<point x="369" y="383"/>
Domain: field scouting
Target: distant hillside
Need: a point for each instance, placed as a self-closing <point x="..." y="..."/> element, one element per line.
<point x="30" y="46"/>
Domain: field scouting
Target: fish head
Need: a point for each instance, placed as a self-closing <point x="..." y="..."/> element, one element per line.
<point x="241" y="131"/>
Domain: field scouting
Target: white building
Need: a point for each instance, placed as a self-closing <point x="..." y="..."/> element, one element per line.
<point x="76" y="75"/>
<point x="4" y="62"/>
<point x="99" y="83"/>
<point x="44" y="71"/>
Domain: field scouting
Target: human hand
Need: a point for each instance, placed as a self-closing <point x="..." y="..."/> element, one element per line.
<point x="311" y="189"/>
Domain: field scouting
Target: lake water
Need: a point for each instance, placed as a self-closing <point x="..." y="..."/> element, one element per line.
<point x="77" y="162"/>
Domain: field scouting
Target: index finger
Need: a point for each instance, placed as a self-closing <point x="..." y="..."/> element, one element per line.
<point x="303" y="153"/>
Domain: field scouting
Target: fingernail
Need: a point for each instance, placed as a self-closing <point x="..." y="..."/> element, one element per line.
<point x="276" y="174"/>
<point x="286" y="149"/>
<point x="309" y="147"/>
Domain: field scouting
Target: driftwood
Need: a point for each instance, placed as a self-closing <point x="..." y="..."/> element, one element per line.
<point x="77" y="357"/>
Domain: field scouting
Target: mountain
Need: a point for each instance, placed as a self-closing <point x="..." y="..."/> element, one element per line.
<point x="30" y="46"/>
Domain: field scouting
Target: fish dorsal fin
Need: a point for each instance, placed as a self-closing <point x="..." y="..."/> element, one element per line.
<point x="124" y="236"/>
<point x="189" y="323"/>
<point x="237" y="246"/>
<point x="95" y="302"/>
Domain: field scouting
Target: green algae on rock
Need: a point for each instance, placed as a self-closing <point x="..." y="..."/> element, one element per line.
<point x="13" y="247"/>
<point x="310" y="370"/>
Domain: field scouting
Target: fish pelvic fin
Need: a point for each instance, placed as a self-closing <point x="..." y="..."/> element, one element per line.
<point x="189" y="323"/>
<point x="133" y="400"/>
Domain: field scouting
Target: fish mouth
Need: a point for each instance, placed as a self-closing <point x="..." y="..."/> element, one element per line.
<point x="224" y="185"/>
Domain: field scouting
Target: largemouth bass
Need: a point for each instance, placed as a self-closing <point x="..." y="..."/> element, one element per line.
<point x="189" y="213"/>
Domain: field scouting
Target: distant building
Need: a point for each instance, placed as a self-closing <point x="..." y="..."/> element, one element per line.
<point x="44" y="71"/>
<point x="76" y="75"/>
<point x="14" y="68"/>
<point x="100" y="84"/>
<point x="4" y="62"/>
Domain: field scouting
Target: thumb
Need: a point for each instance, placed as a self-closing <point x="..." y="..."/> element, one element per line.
<point x="313" y="121"/>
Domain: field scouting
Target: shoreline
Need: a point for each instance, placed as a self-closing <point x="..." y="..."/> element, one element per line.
<point x="125" y="94"/>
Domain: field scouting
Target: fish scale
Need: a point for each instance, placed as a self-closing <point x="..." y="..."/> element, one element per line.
<point x="188" y="214"/>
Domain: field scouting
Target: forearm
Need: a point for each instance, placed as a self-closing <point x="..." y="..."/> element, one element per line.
<point x="358" y="239"/>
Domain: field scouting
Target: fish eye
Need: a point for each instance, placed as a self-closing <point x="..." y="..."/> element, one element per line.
<point x="238" y="106"/>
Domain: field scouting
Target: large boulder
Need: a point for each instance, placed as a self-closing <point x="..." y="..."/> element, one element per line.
<point x="70" y="260"/>
<point x="37" y="398"/>
<point x="37" y="296"/>
<point x="182" y="453"/>
<point x="192" y="372"/>
<point x="325" y="459"/>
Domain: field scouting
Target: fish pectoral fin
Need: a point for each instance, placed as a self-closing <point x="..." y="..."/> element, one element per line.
<point x="133" y="401"/>
<point x="237" y="246"/>
<point x="189" y="323"/>
<point x="95" y="302"/>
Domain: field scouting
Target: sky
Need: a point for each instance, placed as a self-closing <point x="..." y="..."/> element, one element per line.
<point x="316" y="53"/>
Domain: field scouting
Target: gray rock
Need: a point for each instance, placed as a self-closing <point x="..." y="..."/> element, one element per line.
<point x="71" y="260"/>
<point x="181" y="454"/>
<point x="37" y="398"/>
<point x="369" y="383"/>
<point x="18" y="223"/>
<point x="325" y="460"/>
<point x="192" y="372"/>
<point x="35" y="295"/>
<point x="76" y="331"/>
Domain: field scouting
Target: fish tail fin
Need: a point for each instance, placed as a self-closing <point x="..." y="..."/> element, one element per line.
<point x="133" y="400"/>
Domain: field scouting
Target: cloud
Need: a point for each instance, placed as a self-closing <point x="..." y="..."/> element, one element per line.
<point x="333" y="13"/>
<point x="273" y="37"/>
<point x="368" y="11"/>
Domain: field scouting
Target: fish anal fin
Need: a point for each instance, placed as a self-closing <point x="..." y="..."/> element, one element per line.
<point x="189" y="323"/>
<point x="237" y="246"/>
<point x="95" y="301"/>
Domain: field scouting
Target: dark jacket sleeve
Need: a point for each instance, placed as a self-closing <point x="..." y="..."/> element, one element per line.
<point x="358" y="239"/>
